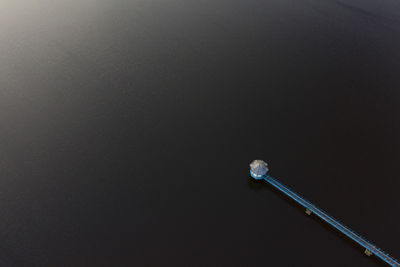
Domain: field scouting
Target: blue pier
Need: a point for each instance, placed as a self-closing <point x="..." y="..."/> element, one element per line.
<point x="259" y="169"/>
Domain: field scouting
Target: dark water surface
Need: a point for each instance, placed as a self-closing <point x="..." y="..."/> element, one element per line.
<point x="127" y="127"/>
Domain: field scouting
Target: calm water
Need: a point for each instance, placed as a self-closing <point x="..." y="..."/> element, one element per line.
<point x="127" y="127"/>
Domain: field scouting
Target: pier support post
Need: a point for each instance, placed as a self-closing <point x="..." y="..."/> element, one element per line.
<point x="367" y="252"/>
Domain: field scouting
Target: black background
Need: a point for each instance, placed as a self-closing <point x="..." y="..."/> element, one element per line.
<point x="127" y="129"/>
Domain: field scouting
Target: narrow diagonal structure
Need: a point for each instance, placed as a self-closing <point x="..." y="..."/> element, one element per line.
<point x="259" y="169"/>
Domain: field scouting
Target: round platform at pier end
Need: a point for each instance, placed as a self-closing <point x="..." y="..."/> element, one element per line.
<point x="258" y="169"/>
